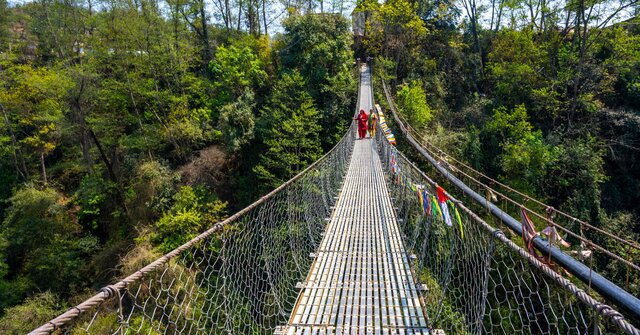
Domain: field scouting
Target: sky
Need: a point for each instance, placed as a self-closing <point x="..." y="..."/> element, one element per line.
<point x="274" y="16"/>
<point x="277" y="11"/>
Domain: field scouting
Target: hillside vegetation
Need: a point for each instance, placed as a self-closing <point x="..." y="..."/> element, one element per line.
<point x="129" y="127"/>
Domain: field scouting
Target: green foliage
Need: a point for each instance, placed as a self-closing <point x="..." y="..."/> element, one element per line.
<point x="578" y="175"/>
<point x="526" y="162"/>
<point x="42" y="238"/>
<point x="514" y="65"/>
<point x="4" y="21"/>
<point x="412" y="102"/>
<point x="34" y="312"/>
<point x="192" y="128"/>
<point x="235" y="70"/>
<point x="291" y="127"/>
<point x="318" y="47"/>
<point x="33" y="99"/>
<point x="621" y="52"/>
<point x="237" y="121"/>
<point x="92" y="198"/>
<point x="104" y="106"/>
<point x="395" y="31"/>
<point x="191" y="213"/>
<point x="525" y="156"/>
<point x="626" y="226"/>
<point x="510" y="125"/>
<point x="154" y="186"/>
<point x="36" y="217"/>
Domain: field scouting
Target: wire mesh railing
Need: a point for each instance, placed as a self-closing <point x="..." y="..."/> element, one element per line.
<point x="605" y="252"/>
<point x="476" y="279"/>
<point x="239" y="277"/>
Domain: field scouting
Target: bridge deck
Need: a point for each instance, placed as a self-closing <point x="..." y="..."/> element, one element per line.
<point x="360" y="281"/>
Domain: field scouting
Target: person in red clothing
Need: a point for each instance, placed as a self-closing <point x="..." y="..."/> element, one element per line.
<point x="362" y="124"/>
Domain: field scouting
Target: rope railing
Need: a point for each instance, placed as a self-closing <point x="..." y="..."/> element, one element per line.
<point x="476" y="279"/>
<point x="550" y="211"/>
<point x="583" y="272"/>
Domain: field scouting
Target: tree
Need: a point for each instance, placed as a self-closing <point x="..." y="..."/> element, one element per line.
<point x="516" y="66"/>
<point x="395" y="32"/>
<point x="290" y="133"/>
<point x="318" y="47"/>
<point x="525" y="158"/>
<point x="43" y="238"/>
<point x="34" y="105"/>
<point x="591" y="18"/>
<point x="412" y="102"/>
<point x="4" y="25"/>
<point x="237" y="121"/>
<point x="193" y="210"/>
<point x="34" y="312"/>
<point x="235" y="70"/>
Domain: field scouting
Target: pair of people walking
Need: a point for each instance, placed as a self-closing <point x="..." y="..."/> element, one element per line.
<point x="363" y="124"/>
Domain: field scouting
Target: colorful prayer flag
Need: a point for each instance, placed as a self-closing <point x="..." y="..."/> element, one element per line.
<point x="442" y="200"/>
<point x="425" y="203"/>
<point x="553" y="236"/>
<point x="529" y="233"/>
<point x="436" y="208"/>
<point x="455" y="209"/>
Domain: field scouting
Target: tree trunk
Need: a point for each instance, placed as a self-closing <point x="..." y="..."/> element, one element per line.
<point x="499" y="18"/>
<point x="239" y="14"/>
<point x="227" y="9"/>
<point x="264" y="16"/>
<point x="82" y="123"/>
<point x="103" y="156"/>
<point x="472" y="13"/>
<point x="112" y="175"/>
<point x="43" y="167"/>
<point x="18" y="160"/>
<point x="493" y="11"/>
<point x="543" y="5"/>
<point x="205" y="35"/>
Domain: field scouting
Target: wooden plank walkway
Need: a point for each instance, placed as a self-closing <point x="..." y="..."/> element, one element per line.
<point x="360" y="281"/>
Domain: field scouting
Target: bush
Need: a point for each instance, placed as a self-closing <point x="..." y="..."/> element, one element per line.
<point x="43" y="238"/>
<point x="34" y="312"/>
<point x="190" y="214"/>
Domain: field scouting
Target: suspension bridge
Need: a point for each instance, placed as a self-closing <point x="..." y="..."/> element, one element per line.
<point x="355" y="244"/>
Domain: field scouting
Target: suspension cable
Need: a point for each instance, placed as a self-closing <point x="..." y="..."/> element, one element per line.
<point x="631" y="244"/>
<point x="623" y="298"/>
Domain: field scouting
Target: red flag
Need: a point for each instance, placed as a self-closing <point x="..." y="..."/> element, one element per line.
<point x="442" y="197"/>
<point x="528" y="234"/>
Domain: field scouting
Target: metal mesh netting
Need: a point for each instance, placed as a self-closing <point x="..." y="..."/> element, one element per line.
<point x="476" y="280"/>
<point x="237" y="278"/>
<point x="615" y="257"/>
<point x="613" y="254"/>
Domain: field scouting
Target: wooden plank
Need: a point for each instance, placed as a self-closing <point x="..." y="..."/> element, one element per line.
<point x="360" y="281"/>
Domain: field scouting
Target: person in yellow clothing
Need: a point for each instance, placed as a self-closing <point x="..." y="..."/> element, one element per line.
<point x="373" y="124"/>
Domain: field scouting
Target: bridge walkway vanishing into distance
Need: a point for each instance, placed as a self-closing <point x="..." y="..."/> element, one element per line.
<point x="360" y="281"/>
<point x="347" y="247"/>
